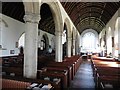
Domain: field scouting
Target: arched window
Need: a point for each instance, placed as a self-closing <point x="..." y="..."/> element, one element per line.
<point x="21" y="40"/>
<point x="43" y="43"/>
<point x="88" y="41"/>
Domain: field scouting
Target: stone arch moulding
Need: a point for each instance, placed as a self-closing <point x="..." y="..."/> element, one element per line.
<point x="74" y="33"/>
<point x="23" y="33"/>
<point x="4" y="22"/>
<point x="68" y="26"/>
<point x="57" y="16"/>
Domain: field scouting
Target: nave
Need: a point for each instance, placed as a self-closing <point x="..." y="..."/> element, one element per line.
<point x="52" y="36"/>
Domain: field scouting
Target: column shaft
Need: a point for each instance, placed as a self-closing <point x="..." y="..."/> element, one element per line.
<point x="69" y="47"/>
<point x="58" y="42"/>
<point x="30" y="54"/>
<point x="73" y="47"/>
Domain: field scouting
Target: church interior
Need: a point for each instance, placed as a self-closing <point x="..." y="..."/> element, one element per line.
<point x="59" y="44"/>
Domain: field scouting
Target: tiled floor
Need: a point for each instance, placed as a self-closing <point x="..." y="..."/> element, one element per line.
<point x="83" y="80"/>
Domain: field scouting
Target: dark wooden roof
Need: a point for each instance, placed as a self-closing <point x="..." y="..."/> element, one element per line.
<point x="84" y="15"/>
<point x="93" y="15"/>
<point x="16" y="10"/>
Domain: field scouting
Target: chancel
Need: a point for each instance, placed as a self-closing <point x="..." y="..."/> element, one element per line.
<point x="60" y="44"/>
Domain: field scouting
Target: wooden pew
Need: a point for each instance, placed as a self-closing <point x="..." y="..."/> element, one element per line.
<point x="8" y="84"/>
<point x="53" y="74"/>
<point x="44" y="59"/>
<point x="59" y="69"/>
<point x="106" y="73"/>
<point x="18" y="71"/>
<point x="68" y="69"/>
<point x="15" y="83"/>
<point x="74" y="59"/>
<point x="61" y="65"/>
<point x="16" y="61"/>
<point x="113" y="82"/>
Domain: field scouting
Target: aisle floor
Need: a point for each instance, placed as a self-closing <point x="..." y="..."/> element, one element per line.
<point x="83" y="80"/>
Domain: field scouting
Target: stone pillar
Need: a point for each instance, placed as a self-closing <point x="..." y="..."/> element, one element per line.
<point x="69" y="47"/>
<point x="119" y="34"/>
<point x="58" y="46"/>
<point x="76" y="47"/>
<point x="31" y="39"/>
<point x="73" y="48"/>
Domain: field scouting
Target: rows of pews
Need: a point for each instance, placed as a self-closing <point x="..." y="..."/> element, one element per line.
<point x="58" y="74"/>
<point x="106" y="72"/>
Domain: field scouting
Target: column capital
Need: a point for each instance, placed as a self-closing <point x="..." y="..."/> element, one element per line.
<point x="31" y="17"/>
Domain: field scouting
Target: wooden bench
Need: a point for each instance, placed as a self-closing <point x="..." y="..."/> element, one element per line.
<point x="61" y="65"/>
<point x="54" y="74"/>
<point x="20" y="83"/>
<point x="74" y="59"/>
<point x="18" y="71"/>
<point x="106" y="73"/>
<point x="113" y="82"/>
<point x="59" y="69"/>
<point x="14" y="84"/>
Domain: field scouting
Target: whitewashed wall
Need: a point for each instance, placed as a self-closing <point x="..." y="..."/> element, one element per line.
<point x="12" y="31"/>
<point x="112" y="30"/>
<point x="10" y="35"/>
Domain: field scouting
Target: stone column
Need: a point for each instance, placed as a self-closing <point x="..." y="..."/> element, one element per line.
<point x="76" y="47"/>
<point x="119" y="34"/>
<point x="73" y="47"/>
<point x="69" y="47"/>
<point x="58" y="46"/>
<point x="31" y="39"/>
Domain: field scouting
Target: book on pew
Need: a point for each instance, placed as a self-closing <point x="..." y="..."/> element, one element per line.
<point x="36" y="86"/>
<point x="32" y="86"/>
<point x="47" y="78"/>
<point x="47" y="87"/>
<point x="55" y="79"/>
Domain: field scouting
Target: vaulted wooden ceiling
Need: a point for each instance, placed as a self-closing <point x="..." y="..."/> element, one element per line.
<point x="84" y="15"/>
<point x="93" y="15"/>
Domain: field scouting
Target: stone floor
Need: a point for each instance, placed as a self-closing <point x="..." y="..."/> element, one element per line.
<point x="83" y="80"/>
